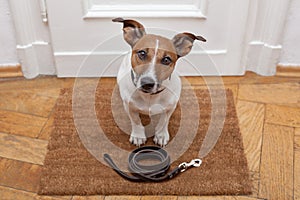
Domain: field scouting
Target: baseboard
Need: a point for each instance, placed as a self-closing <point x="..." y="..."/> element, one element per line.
<point x="288" y="71"/>
<point x="11" y="71"/>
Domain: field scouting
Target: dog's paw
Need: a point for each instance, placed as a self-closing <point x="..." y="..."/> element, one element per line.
<point x="138" y="141"/>
<point x="138" y="136"/>
<point x="161" y="139"/>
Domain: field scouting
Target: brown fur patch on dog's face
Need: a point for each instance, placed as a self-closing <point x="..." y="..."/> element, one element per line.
<point x="146" y="49"/>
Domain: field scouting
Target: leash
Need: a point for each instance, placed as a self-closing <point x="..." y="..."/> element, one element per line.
<point x="150" y="172"/>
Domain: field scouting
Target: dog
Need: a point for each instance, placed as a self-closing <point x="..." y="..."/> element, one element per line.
<point x="147" y="79"/>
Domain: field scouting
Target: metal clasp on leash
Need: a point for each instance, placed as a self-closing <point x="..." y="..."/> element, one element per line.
<point x="194" y="163"/>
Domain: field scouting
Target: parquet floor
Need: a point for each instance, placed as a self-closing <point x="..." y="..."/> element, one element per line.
<point x="269" y="115"/>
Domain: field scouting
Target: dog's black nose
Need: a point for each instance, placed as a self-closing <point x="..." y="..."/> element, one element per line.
<point x="147" y="83"/>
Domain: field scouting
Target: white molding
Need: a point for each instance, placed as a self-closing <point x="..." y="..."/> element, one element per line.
<point x="263" y="39"/>
<point x="33" y="38"/>
<point x="263" y="58"/>
<point x="2" y="65"/>
<point x="118" y="53"/>
<point x="35" y="58"/>
<point x="36" y="43"/>
<point x="106" y="64"/>
<point x="196" y="10"/>
<point x="260" y="43"/>
<point x="286" y="64"/>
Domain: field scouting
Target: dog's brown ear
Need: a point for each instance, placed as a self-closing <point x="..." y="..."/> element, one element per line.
<point x="133" y="30"/>
<point x="183" y="42"/>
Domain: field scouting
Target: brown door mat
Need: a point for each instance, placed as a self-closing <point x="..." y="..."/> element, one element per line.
<point x="71" y="169"/>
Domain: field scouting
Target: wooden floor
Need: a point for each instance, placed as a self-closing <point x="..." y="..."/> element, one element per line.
<point x="269" y="114"/>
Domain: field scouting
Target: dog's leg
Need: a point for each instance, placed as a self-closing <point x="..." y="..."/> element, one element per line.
<point x="161" y="130"/>
<point x="137" y="136"/>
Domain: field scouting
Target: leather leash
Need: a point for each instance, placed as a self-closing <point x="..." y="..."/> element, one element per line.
<point x="150" y="172"/>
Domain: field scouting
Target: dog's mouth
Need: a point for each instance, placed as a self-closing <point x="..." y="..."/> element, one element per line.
<point x="144" y="90"/>
<point x="152" y="91"/>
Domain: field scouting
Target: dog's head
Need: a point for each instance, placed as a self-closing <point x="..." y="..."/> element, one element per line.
<point x="154" y="57"/>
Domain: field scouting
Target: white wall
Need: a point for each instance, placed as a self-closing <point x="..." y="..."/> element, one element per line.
<point x="290" y="55"/>
<point x="8" y="54"/>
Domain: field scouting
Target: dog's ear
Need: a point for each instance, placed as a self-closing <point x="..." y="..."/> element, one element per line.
<point x="133" y="30"/>
<point x="183" y="42"/>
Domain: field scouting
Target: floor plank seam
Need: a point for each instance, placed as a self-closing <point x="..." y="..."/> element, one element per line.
<point x="18" y="189"/>
<point x="294" y="156"/>
<point x="289" y="105"/>
<point x="22" y="161"/>
<point x="24" y="113"/>
<point x="250" y="101"/>
<point x="22" y="136"/>
<point x="50" y="113"/>
<point x="41" y="131"/>
<point x="261" y="152"/>
<point x="271" y="81"/>
<point x="11" y="79"/>
<point x="48" y="96"/>
<point x="237" y="92"/>
<point x="107" y="197"/>
<point x="282" y="125"/>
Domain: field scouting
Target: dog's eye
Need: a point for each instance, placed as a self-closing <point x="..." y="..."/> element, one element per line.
<point x="166" y="60"/>
<point x="142" y="54"/>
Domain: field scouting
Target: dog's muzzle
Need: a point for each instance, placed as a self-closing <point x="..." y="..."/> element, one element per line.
<point x="147" y="84"/>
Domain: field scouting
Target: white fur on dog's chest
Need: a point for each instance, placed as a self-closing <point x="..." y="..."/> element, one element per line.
<point x="153" y="104"/>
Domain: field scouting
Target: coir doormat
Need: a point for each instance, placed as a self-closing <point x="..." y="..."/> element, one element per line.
<point x="74" y="165"/>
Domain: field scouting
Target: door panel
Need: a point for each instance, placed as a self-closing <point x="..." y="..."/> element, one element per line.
<point x="85" y="38"/>
<point x="136" y="8"/>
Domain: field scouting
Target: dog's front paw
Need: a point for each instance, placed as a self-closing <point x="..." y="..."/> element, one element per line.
<point x="137" y="136"/>
<point x="161" y="139"/>
<point x="138" y="141"/>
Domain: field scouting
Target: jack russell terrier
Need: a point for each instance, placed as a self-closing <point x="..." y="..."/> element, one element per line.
<point x="147" y="81"/>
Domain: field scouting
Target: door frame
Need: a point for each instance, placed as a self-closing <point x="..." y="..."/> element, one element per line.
<point x="33" y="37"/>
<point x="262" y="38"/>
<point x="264" y="35"/>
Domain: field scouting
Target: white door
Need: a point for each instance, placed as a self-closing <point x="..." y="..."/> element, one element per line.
<point x="86" y="42"/>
